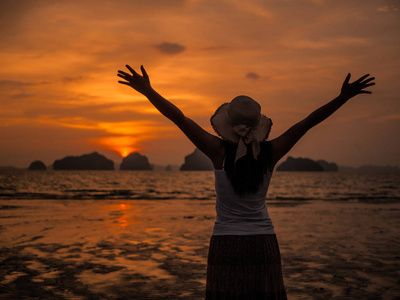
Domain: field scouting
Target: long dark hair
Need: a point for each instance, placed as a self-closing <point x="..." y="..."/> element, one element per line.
<point x="247" y="174"/>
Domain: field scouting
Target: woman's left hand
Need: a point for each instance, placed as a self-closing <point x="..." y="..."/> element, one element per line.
<point x="350" y="90"/>
<point x="136" y="81"/>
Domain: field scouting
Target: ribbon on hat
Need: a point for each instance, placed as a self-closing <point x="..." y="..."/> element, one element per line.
<point x="246" y="134"/>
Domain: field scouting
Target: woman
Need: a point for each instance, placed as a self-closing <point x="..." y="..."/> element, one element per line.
<point x="244" y="260"/>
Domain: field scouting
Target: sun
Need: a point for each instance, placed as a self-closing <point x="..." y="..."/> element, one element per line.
<point x="124" y="152"/>
<point x="123" y="145"/>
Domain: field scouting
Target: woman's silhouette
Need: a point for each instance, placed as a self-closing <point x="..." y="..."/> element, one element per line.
<point x="244" y="259"/>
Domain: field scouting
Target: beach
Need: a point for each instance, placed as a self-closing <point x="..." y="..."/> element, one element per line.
<point x="145" y="249"/>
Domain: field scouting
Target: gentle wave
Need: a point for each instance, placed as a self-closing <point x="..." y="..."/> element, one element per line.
<point x="162" y="185"/>
<point x="116" y="195"/>
<point x="98" y="194"/>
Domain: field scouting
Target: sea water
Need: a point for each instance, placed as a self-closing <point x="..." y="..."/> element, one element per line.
<point x="199" y="185"/>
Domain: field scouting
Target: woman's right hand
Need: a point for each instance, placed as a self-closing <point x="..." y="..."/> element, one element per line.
<point x="136" y="81"/>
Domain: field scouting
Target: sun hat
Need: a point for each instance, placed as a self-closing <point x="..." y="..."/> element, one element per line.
<point x="240" y="121"/>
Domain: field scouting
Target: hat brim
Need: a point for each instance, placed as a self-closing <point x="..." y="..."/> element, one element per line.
<point x="219" y="122"/>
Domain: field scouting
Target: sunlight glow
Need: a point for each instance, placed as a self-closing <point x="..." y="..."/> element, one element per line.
<point x="123" y="145"/>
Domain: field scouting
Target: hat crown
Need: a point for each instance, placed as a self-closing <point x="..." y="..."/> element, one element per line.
<point x="244" y="110"/>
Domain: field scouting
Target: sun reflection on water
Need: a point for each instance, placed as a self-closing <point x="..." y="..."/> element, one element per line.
<point x="121" y="215"/>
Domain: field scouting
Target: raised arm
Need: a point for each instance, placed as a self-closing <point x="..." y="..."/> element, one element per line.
<point x="209" y="144"/>
<point x="282" y="144"/>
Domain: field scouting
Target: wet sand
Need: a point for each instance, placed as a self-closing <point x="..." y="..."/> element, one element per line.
<point x="74" y="249"/>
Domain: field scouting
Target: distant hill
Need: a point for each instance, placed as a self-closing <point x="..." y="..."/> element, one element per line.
<point x="92" y="161"/>
<point x="329" y="167"/>
<point x="37" y="165"/>
<point x="135" y="161"/>
<point x="370" y="169"/>
<point x="165" y="168"/>
<point x="197" y="161"/>
<point x="306" y="164"/>
<point x="9" y="168"/>
<point x="300" y="164"/>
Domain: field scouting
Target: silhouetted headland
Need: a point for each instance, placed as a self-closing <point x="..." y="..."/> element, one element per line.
<point x="197" y="161"/>
<point x="92" y="161"/>
<point x="370" y="169"/>
<point x="329" y="167"/>
<point x="135" y="161"/>
<point x="306" y="164"/>
<point x="37" y="165"/>
<point x="9" y="168"/>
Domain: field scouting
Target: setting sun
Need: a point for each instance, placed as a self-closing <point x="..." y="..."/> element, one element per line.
<point x="126" y="151"/>
<point x="123" y="145"/>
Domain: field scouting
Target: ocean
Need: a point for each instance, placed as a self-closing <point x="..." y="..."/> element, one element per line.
<point x="145" y="235"/>
<point x="198" y="185"/>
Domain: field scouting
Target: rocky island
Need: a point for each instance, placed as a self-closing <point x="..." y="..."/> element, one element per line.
<point x="306" y="164"/>
<point x="197" y="161"/>
<point x="329" y="167"/>
<point x="135" y="161"/>
<point x="92" y="161"/>
<point x="37" y="165"/>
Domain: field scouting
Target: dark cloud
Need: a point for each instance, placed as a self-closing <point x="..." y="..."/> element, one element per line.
<point x="22" y="96"/>
<point x="252" y="76"/>
<point x="170" y="48"/>
<point x="15" y="84"/>
<point x="71" y="79"/>
<point x="12" y="84"/>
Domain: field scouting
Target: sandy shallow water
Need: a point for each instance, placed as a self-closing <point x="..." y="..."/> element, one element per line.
<point x="141" y="249"/>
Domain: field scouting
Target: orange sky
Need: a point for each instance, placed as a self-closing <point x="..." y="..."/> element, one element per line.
<point x="59" y="59"/>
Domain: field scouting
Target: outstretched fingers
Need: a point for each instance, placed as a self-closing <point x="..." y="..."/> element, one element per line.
<point x="124" y="75"/>
<point x="144" y="72"/>
<point x="346" y="81"/>
<point x="132" y="70"/>
<point x="370" y="84"/>
<point x="365" y="92"/>
<point x="362" y="78"/>
<point x="368" y="80"/>
<point x="366" y="83"/>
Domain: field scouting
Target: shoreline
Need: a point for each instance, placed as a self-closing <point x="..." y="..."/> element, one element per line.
<point x="143" y="249"/>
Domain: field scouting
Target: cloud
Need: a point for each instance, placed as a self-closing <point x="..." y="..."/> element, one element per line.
<point x="325" y="43"/>
<point x="71" y="79"/>
<point x="383" y="9"/>
<point x="386" y="118"/>
<point x="170" y="48"/>
<point x="12" y="84"/>
<point x="22" y="96"/>
<point x="387" y="9"/>
<point x="252" y="76"/>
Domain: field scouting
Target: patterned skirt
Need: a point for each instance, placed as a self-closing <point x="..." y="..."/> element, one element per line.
<point x="244" y="267"/>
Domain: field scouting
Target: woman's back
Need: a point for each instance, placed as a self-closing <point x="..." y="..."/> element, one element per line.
<point x="240" y="204"/>
<point x="241" y="214"/>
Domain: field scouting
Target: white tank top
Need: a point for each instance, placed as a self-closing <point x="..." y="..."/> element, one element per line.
<point x="241" y="215"/>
